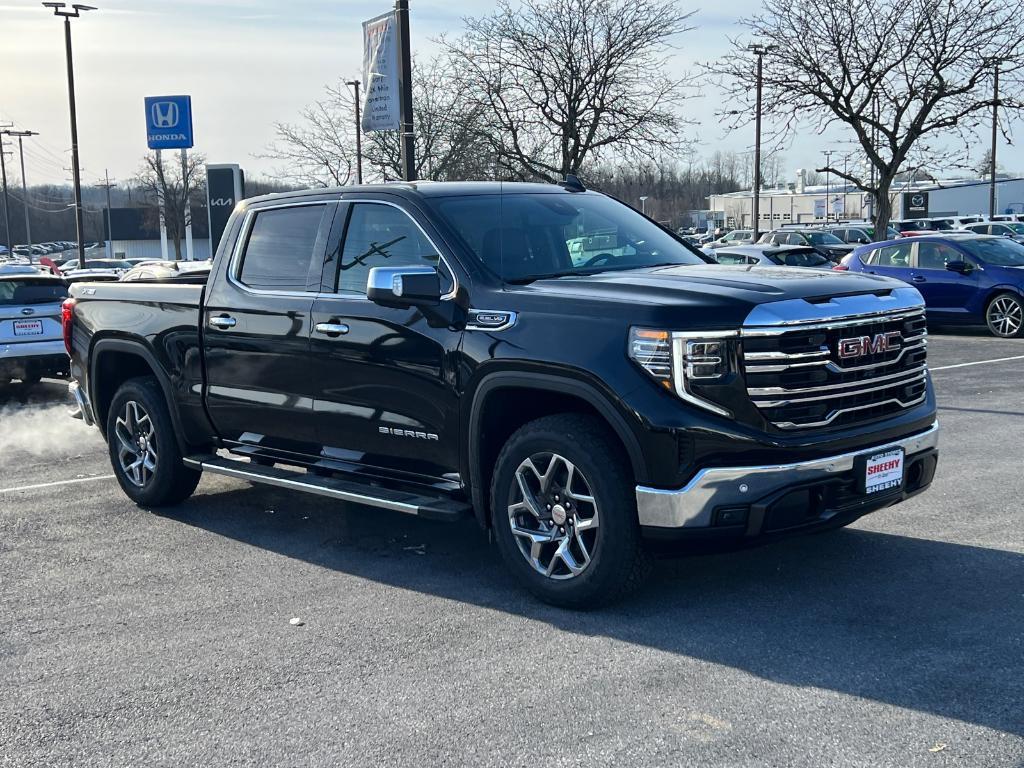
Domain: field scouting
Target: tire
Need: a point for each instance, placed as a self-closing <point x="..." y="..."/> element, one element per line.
<point x="544" y="455"/>
<point x="140" y="434"/>
<point x="31" y="377"/>
<point x="1004" y="316"/>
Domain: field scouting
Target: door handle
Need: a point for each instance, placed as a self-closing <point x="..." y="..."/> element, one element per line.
<point x="223" y="321"/>
<point x="919" y="279"/>
<point x="331" y="329"/>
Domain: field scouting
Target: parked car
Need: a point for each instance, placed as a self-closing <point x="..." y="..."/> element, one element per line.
<point x="767" y="255"/>
<point x="119" y="265"/>
<point x="967" y="279"/>
<point x="859" y="234"/>
<point x="446" y="350"/>
<point x="174" y="271"/>
<point x="953" y="222"/>
<point x="825" y="243"/>
<point x="1010" y="229"/>
<point x="31" y="342"/>
<point x="906" y="226"/>
<point x="735" y="237"/>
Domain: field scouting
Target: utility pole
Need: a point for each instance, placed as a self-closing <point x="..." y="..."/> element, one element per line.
<point x="107" y="184"/>
<point x="7" y="201"/>
<point x="643" y="204"/>
<point x="24" y="185"/>
<point x="406" y="135"/>
<point x="359" y="135"/>
<point x="60" y="9"/>
<point x="759" y="50"/>
<point x="995" y="126"/>
<point x="828" y="161"/>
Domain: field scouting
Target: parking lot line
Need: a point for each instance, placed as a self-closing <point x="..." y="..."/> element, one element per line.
<point x="976" y="362"/>
<point x="57" y="482"/>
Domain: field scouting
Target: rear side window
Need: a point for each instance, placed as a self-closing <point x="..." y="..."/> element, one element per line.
<point x="890" y="256"/>
<point x="280" y="247"/>
<point x="730" y="258"/>
<point x="382" y="236"/>
<point x="17" y="292"/>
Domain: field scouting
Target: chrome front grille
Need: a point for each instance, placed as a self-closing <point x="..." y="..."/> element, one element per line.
<point x="798" y="379"/>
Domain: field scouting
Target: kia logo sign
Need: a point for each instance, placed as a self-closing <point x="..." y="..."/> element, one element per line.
<point x="164" y="114"/>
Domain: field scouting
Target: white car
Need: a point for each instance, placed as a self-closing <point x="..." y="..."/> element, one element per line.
<point x="31" y="338"/>
<point x="736" y="237"/>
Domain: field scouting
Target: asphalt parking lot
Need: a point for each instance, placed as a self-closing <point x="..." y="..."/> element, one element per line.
<point x="134" y="638"/>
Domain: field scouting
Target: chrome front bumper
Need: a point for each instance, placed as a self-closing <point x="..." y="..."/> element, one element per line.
<point x="692" y="505"/>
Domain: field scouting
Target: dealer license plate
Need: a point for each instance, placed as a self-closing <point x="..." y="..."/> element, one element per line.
<point x="28" y="327"/>
<point x="883" y="471"/>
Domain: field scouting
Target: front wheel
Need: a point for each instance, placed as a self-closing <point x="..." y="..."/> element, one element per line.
<point x="143" y="449"/>
<point x="564" y="512"/>
<point x="1005" y="316"/>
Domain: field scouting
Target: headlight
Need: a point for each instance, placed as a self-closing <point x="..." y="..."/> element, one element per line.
<point x="681" y="362"/>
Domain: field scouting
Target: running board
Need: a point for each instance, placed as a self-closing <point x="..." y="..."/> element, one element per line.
<point x="411" y="503"/>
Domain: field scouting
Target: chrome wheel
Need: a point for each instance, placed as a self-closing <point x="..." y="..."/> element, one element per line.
<point x="1005" y="316"/>
<point x="136" y="444"/>
<point x="553" y="516"/>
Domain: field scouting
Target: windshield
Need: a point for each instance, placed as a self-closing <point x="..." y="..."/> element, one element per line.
<point x="1017" y="229"/>
<point x="997" y="251"/>
<point x="823" y="238"/>
<point x="522" y="237"/>
<point x="29" y="291"/>
<point x="800" y="258"/>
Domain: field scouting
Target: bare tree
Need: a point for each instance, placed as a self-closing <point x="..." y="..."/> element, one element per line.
<point x="564" y="82"/>
<point x="320" y="149"/>
<point x="899" y="76"/>
<point x="181" y="189"/>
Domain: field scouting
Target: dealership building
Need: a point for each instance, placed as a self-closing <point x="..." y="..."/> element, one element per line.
<point x="818" y="204"/>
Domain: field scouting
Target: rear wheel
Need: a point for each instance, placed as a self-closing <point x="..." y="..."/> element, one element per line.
<point x="143" y="449"/>
<point x="1005" y="316"/>
<point x="564" y="513"/>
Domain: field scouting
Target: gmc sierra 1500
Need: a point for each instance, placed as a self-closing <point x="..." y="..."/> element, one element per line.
<point x="540" y="356"/>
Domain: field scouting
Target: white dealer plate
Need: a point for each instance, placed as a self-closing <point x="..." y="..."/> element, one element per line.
<point x="883" y="471"/>
<point x="28" y="327"/>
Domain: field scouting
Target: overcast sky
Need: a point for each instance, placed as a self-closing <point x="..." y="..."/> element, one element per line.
<point x="247" y="63"/>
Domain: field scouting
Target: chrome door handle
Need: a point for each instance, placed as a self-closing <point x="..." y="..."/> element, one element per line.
<point x="332" y="329"/>
<point x="224" y="321"/>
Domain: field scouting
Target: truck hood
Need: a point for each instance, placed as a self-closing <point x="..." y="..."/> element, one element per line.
<point x="700" y="295"/>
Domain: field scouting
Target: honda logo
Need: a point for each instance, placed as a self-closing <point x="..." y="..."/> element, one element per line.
<point x="164" y="114"/>
<point x="859" y="346"/>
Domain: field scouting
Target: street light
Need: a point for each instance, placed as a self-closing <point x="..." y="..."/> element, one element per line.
<point x="995" y="125"/>
<point x="828" y="161"/>
<point x="24" y="186"/>
<point x="759" y="50"/>
<point x="61" y="9"/>
<point x="643" y="204"/>
<point x="359" y="135"/>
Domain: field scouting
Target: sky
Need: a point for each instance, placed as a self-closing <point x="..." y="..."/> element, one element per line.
<point x="248" y="64"/>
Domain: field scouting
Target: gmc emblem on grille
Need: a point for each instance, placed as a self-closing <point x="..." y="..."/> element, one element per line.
<point x="859" y="346"/>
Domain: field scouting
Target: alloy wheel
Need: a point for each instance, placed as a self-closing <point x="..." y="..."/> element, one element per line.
<point x="553" y="516"/>
<point x="136" y="444"/>
<point x="1005" y="316"/>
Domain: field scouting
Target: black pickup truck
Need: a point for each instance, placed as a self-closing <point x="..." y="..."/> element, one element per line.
<point x="542" y="357"/>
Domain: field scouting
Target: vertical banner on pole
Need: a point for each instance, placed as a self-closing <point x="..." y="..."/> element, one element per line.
<point x="380" y="74"/>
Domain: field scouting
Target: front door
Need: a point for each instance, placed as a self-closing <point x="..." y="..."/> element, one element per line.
<point x="256" y="327"/>
<point x="385" y="376"/>
<point x="944" y="292"/>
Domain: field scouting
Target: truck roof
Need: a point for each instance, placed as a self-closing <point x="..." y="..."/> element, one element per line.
<point x="425" y="189"/>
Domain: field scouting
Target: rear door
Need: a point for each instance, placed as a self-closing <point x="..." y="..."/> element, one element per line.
<point x="944" y="292"/>
<point x="385" y="377"/>
<point x="890" y="261"/>
<point x="256" y="327"/>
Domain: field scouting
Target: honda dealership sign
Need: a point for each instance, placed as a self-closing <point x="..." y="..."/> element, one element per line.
<point x="380" y="73"/>
<point x="169" y="122"/>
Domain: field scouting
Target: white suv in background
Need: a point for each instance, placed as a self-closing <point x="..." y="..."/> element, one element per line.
<point x="31" y="340"/>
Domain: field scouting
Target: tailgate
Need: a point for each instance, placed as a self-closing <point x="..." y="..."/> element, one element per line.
<point x="30" y="322"/>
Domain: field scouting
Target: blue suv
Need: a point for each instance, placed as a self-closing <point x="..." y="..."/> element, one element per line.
<point x="965" y="279"/>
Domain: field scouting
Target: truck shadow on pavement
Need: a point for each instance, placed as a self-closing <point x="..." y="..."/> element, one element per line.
<point x="925" y="625"/>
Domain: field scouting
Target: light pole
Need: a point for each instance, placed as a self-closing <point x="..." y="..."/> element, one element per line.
<point x="408" y="138"/>
<point x="828" y="160"/>
<point x="7" y="201"/>
<point x="60" y="9"/>
<point x="107" y="184"/>
<point x="643" y="204"/>
<point x="759" y="50"/>
<point x="24" y="185"/>
<point x="359" y="135"/>
<point x="995" y="125"/>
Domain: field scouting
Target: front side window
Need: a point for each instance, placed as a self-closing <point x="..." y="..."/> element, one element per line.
<point x="280" y="248"/>
<point x="381" y="235"/>
<point x="936" y="255"/>
<point x="1000" y="252"/>
<point x="823" y="238"/>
